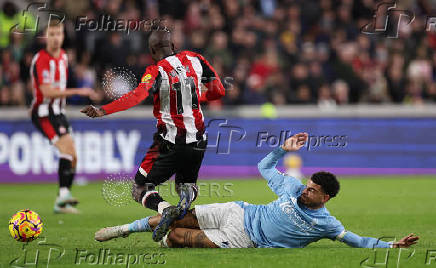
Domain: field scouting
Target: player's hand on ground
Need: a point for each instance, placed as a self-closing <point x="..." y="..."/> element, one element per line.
<point x="406" y="241"/>
<point x="92" y="111"/>
<point x="295" y="142"/>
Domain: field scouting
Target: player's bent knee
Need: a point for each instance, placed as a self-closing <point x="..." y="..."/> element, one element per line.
<point x="66" y="146"/>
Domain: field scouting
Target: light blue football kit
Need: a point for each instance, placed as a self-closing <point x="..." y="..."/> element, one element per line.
<point x="285" y="223"/>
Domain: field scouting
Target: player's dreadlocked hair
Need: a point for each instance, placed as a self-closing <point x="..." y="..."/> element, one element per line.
<point x="327" y="181"/>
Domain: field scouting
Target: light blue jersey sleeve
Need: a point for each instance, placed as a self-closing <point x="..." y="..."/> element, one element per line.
<point x="356" y="241"/>
<point x="277" y="181"/>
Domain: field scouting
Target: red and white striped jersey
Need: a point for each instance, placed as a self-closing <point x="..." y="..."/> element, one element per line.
<point x="45" y="69"/>
<point x="175" y="83"/>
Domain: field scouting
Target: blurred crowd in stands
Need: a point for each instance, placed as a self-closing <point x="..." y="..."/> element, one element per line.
<point x="277" y="51"/>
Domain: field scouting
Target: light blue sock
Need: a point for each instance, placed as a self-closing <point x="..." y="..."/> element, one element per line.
<point x="140" y="225"/>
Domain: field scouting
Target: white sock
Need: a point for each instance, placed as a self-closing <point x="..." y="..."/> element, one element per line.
<point x="63" y="191"/>
<point x="161" y="206"/>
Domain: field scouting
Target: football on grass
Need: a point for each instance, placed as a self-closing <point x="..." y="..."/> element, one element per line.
<point x="25" y="225"/>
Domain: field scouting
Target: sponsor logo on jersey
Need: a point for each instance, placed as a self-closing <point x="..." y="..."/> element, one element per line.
<point x="289" y="209"/>
<point x="146" y="78"/>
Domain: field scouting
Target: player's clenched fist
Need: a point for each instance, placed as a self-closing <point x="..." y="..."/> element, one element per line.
<point x="295" y="142"/>
<point x="93" y="111"/>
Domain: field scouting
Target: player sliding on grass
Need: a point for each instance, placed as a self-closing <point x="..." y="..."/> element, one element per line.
<point x="297" y="218"/>
<point x="179" y="144"/>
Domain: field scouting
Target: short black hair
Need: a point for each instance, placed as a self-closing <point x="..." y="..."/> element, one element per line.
<point x="328" y="182"/>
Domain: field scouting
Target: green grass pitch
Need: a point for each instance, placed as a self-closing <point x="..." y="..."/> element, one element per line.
<point x="373" y="206"/>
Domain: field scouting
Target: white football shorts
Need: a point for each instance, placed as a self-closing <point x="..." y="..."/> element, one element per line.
<point x="223" y="224"/>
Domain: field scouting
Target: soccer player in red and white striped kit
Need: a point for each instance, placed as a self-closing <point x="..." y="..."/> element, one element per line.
<point x="49" y="71"/>
<point x="175" y="82"/>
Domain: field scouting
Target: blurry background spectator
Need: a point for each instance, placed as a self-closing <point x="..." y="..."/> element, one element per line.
<point x="278" y="51"/>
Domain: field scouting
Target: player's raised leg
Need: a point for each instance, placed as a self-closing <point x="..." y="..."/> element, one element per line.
<point x="67" y="165"/>
<point x="158" y="166"/>
<point x="189" y="158"/>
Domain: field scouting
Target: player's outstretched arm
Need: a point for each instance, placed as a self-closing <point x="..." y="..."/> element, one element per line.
<point x="129" y="99"/>
<point x="267" y="166"/>
<point x="357" y="241"/>
<point x="406" y="241"/>
<point x="125" y="102"/>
